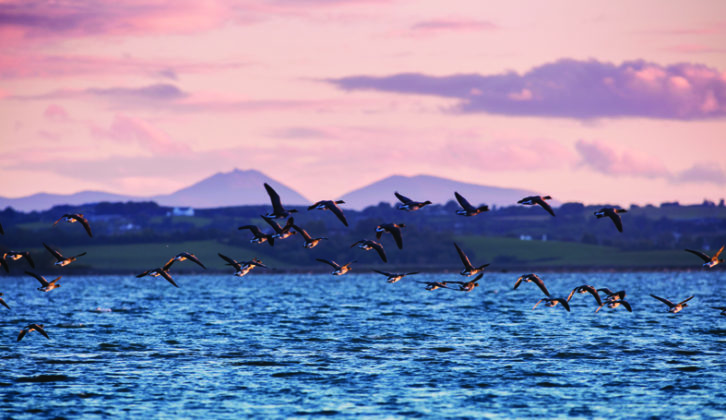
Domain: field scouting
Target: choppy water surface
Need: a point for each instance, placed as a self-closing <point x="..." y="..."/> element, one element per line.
<point x="310" y="345"/>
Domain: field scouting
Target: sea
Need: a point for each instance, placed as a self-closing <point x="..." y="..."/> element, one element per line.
<point x="317" y="345"/>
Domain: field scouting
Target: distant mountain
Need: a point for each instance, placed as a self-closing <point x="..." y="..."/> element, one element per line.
<point x="437" y="190"/>
<point x="44" y="201"/>
<point x="235" y="188"/>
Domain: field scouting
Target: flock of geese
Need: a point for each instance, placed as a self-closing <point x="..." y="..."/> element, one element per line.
<point x="611" y="299"/>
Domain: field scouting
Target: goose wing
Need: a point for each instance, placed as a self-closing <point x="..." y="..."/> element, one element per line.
<point x="83" y="221"/>
<point x="541" y="202"/>
<point x="564" y="303"/>
<point x="700" y="254"/>
<point x="615" y="217"/>
<point x="594" y="293"/>
<point x="55" y="253"/>
<point x="464" y="258"/>
<point x="538" y="281"/>
<point x="329" y="262"/>
<point x="403" y="198"/>
<point x="40" y="329"/>
<point x="275" y="199"/>
<point x="168" y="278"/>
<point x="302" y="232"/>
<point x="379" y="249"/>
<point x="252" y="228"/>
<point x="666" y="301"/>
<point x="627" y="305"/>
<point x="193" y="258"/>
<point x="229" y="260"/>
<point x="41" y="279"/>
<point x="2" y="302"/>
<point x="715" y="256"/>
<point x="385" y="273"/>
<point x="26" y="254"/>
<point x="463" y="203"/>
<point x="684" y="301"/>
<point x="396" y="232"/>
<point x="336" y="211"/>
<point x="274" y="224"/>
<point x="22" y="333"/>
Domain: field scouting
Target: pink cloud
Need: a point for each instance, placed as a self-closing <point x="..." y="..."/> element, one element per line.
<point x="508" y="155"/>
<point x="452" y="25"/>
<point x="21" y="64"/>
<point x="602" y="158"/>
<point x="125" y="130"/>
<point x="694" y="49"/>
<point x="56" y="113"/>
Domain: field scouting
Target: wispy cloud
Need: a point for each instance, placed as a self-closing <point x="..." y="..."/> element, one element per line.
<point x="435" y="26"/>
<point x="130" y="130"/>
<point x="572" y="89"/>
<point x="601" y="157"/>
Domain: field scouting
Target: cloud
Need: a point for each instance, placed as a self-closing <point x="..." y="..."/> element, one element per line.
<point x="703" y="172"/>
<point x="18" y="64"/>
<point x="156" y="93"/>
<point x="56" y="113"/>
<point x="451" y="25"/>
<point x="571" y="89"/>
<point x="125" y="130"/>
<point x="44" y="19"/>
<point x="602" y="158"/>
<point x="507" y="155"/>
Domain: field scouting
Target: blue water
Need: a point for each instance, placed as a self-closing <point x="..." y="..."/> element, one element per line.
<point x="310" y="345"/>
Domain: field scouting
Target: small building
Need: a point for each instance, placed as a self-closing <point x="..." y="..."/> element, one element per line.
<point x="181" y="211"/>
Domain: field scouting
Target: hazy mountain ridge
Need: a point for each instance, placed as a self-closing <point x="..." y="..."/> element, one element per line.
<point x="239" y="188"/>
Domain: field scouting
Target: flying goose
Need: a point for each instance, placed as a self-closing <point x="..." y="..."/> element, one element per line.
<point x="281" y="232"/>
<point x="259" y="237"/>
<point x="45" y="285"/>
<point x="586" y="289"/>
<point x="278" y="212"/>
<point x="469" y="269"/>
<point x="537" y="199"/>
<point x="31" y="328"/>
<point x="242" y="267"/>
<point x="466" y="208"/>
<point x="61" y="260"/>
<point x="339" y="270"/>
<point x="532" y="278"/>
<point x="392" y="228"/>
<point x="367" y="245"/>
<point x="673" y="308"/>
<point x="709" y="261"/>
<point x="613" y="214"/>
<point x="76" y="217"/>
<point x="394" y="277"/>
<point x="16" y="255"/>
<point x="183" y="256"/>
<point x="160" y="271"/>
<point x="408" y="204"/>
<point x="552" y="302"/>
<point x="333" y="207"/>
<point x="468" y="286"/>
<point x="310" y="242"/>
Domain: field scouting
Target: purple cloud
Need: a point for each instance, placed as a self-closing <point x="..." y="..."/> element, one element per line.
<point x="440" y="25"/>
<point x="572" y="89"/>
<point x="703" y="172"/>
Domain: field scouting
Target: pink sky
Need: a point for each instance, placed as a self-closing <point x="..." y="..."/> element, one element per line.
<point x="613" y="101"/>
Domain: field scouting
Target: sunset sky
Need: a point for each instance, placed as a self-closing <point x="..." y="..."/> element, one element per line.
<point x="611" y="101"/>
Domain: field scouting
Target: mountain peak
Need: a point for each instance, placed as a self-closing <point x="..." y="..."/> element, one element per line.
<point x="428" y="187"/>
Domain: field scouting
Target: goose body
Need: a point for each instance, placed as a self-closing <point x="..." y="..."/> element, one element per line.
<point x="160" y="271"/>
<point x="552" y="302"/>
<point x="183" y="256"/>
<point x="16" y="255"/>
<point x="281" y="232"/>
<point x="468" y="286"/>
<point x="242" y="267"/>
